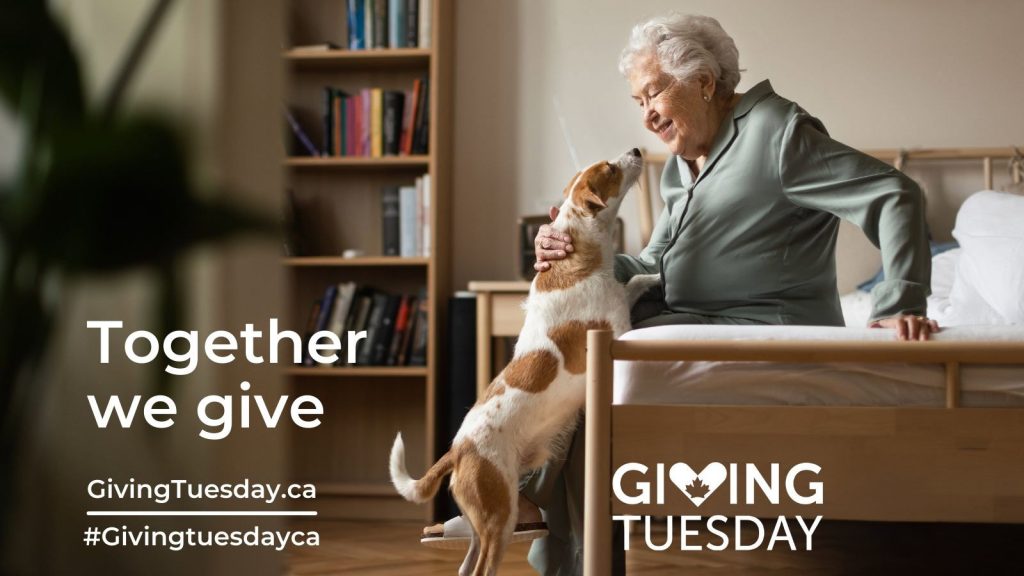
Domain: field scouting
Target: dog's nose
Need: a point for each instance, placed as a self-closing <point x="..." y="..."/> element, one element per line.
<point x="635" y="152"/>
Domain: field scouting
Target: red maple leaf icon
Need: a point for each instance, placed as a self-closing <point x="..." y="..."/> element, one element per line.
<point x="697" y="488"/>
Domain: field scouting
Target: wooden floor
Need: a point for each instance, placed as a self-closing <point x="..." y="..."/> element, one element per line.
<point x="377" y="548"/>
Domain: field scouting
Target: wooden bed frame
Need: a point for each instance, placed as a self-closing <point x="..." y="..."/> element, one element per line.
<point x="943" y="464"/>
<point x="879" y="463"/>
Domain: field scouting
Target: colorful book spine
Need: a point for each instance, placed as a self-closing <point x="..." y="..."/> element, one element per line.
<point x="425" y="227"/>
<point x="421" y="130"/>
<point x="376" y="122"/>
<point x="336" y="117"/>
<point x="408" y="222"/>
<point x="364" y="138"/>
<point x="412" y="23"/>
<point x="394" y="104"/>
<point x="300" y="134"/>
<point x="424" y="24"/>
<point x="396" y="23"/>
<point x="380" y="23"/>
<point x="350" y="126"/>
<point x="368" y="23"/>
<point x="356" y="34"/>
<point x="328" y="121"/>
<point x="417" y="87"/>
<point x="390" y="210"/>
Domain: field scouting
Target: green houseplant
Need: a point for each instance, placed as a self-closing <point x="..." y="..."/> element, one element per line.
<point x="97" y="190"/>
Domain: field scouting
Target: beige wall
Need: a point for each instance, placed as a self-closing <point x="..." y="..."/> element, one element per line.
<point x="878" y="74"/>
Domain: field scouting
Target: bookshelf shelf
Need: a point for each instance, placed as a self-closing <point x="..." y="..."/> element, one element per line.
<point x="366" y="262"/>
<point x="359" y="59"/>
<point x="417" y="161"/>
<point x="360" y="372"/>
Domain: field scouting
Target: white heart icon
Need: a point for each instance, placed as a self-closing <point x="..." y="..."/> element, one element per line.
<point x="697" y="487"/>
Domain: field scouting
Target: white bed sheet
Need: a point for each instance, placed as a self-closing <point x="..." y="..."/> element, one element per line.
<point x="764" y="383"/>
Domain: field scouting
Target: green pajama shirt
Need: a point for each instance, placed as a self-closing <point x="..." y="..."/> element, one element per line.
<point x="752" y="240"/>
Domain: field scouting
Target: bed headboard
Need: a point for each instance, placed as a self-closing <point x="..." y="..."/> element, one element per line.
<point x="857" y="259"/>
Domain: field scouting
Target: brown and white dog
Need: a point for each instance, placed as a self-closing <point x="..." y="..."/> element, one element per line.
<point x="534" y="402"/>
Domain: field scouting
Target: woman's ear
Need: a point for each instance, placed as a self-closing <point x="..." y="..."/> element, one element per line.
<point x="707" y="85"/>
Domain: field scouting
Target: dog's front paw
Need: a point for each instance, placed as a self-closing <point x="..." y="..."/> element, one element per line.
<point x="639" y="285"/>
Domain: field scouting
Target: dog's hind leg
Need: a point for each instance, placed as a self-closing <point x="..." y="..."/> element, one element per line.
<point x="486" y="494"/>
<point x="469" y="564"/>
<point x="492" y="547"/>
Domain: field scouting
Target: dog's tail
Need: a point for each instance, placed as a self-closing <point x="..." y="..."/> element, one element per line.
<point x="421" y="490"/>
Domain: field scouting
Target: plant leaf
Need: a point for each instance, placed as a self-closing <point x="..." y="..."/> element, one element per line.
<point x="39" y="73"/>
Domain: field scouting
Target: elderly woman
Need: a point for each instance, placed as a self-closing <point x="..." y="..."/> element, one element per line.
<point x="753" y="193"/>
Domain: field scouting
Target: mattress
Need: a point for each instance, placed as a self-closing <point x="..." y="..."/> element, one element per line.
<point x="765" y="383"/>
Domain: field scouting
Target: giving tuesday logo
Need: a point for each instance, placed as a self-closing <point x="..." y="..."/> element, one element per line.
<point x="730" y="486"/>
<point x="697" y="487"/>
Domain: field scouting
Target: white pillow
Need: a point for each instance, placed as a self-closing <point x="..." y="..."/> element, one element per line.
<point x="943" y="278"/>
<point x="990" y="272"/>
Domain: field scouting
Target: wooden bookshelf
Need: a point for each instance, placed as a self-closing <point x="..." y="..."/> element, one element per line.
<point x="337" y="202"/>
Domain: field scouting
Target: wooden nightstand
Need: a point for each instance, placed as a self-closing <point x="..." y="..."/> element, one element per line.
<point x="499" y="313"/>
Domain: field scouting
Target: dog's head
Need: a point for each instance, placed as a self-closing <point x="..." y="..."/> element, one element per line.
<point x="597" y="191"/>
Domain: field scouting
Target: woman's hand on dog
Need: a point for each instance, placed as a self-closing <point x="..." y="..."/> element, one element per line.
<point x="550" y="244"/>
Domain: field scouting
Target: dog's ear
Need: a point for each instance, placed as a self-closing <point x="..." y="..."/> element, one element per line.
<point x="568" y="187"/>
<point x="592" y="200"/>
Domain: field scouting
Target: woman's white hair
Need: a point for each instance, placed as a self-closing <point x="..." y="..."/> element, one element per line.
<point x="686" y="44"/>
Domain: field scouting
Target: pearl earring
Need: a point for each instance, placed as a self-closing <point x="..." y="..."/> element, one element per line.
<point x="707" y="98"/>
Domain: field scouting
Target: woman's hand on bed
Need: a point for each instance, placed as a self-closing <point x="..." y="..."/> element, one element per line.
<point x="909" y="327"/>
<point x="550" y="244"/>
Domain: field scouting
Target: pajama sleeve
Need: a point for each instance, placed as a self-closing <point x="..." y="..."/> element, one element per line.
<point x="819" y="173"/>
<point x="647" y="262"/>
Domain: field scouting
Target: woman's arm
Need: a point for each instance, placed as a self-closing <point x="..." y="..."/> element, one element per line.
<point x="646" y="262"/>
<point x="819" y="173"/>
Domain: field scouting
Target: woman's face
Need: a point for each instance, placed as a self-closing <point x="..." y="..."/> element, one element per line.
<point x="675" y="111"/>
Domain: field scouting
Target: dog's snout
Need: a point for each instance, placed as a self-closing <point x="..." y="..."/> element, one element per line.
<point x="635" y="152"/>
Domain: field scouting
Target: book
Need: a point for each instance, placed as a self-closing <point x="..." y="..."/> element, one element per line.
<point x="385" y="330"/>
<point x="336" y="123"/>
<point x="412" y="23"/>
<point x="424" y="215"/>
<point x="328" y="141"/>
<point x="424" y="24"/>
<point x="396" y="23"/>
<point x="356" y="34"/>
<point x="418" y="347"/>
<point x="380" y="23"/>
<point x="394" y="104"/>
<point x="368" y="23"/>
<point x="364" y="126"/>
<point x="340" y="311"/>
<point x="401" y="326"/>
<point x="323" y="316"/>
<point x="300" y="135"/>
<point x="357" y="319"/>
<point x="373" y="324"/>
<point x="408" y="222"/>
<point x="350" y="125"/>
<point x="390" y="214"/>
<point x="307" y="335"/>
<point x="376" y="122"/>
<point x="403" y="347"/>
<point x="421" y="128"/>
<point x="410" y="121"/>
